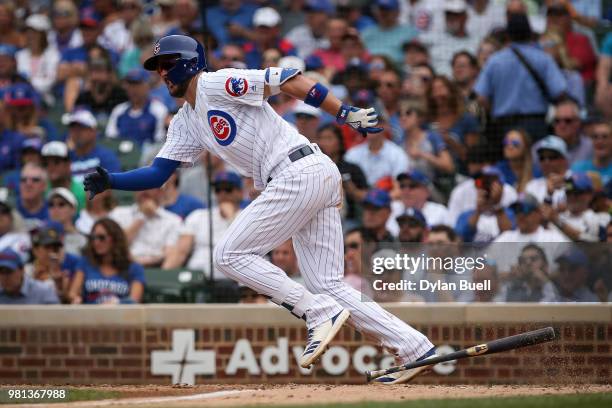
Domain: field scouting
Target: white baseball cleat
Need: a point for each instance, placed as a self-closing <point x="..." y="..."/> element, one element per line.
<point x="320" y="337"/>
<point x="407" y="375"/>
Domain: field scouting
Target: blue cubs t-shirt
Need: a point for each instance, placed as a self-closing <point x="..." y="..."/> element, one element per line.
<point x="98" y="288"/>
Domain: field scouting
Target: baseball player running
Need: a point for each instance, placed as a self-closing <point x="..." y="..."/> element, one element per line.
<point x="226" y="113"/>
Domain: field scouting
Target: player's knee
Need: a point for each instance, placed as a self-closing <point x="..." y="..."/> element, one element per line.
<point x="324" y="286"/>
<point x="222" y="258"/>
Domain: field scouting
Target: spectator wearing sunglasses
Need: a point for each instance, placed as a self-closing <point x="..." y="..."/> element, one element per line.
<point x="194" y="238"/>
<point x="529" y="279"/>
<point x="553" y="160"/>
<point x="567" y="124"/>
<point x="57" y="163"/>
<point x="106" y="274"/>
<point x="17" y="288"/>
<point x="601" y="135"/>
<point x="517" y="165"/>
<point x="31" y="202"/>
<point x="415" y="192"/>
<point x="50" y="262"/>
<point x="62" y="206"/>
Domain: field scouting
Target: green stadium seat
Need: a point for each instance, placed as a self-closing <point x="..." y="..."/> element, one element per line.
<point x="168" y="285"/>
<point x="127" y="151"/>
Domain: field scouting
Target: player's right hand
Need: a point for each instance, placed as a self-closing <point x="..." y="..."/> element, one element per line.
<point x="96" y="183"/>
<point x="362" y="120"/>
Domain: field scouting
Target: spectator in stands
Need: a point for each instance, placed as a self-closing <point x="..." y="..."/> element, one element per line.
<point x="50" y="262"/>
<point x="485" y="16"/>
<point x="27" y="152"/>
<point x="56" y="161"/>
<point x="417" y="82"/>
<point x="98" y="208"/>
<point x="455" y="37"/>
<point x="38" y="61"/>
<point x="376" y="211"/>
<point x="379" y="159"/>
<point x="151" y="230"/>
<point x="465" y="71"/>
<point x="17" y="288"/>
<point x="141" y="36"/>
<point x="106" y="275"/>
<point x="529" y="222"/>
<point x="578" y="222"/>
<point x="164" y="21"/>
<point x="189" y="16"/>
<point x="426" y="149"/>
<point x="572" y="277"/>
<point x="529" y="280"/>
<point x="8" y="66"/>
<point x="307" y="120"/>
<point x="601" y="135"/>
<point x="308" y="37"/>
<point x="489" y="219"/>
<point x="354" y="183"/>
<point x="415" y="192"/>
<point x="415" y="53"/>
<point x="284" y="257"/>
<point x="603" y="95"/>
<point x="65" y="33"/>
<point x="517" y="165"/>
<point x="464" y="196"/>
<point x="388" y="35"/>
<point x="378" y="65"/>
<point x="22" y="110"/>
<point x="425" y="15"/>
<point x="230" y="21"/>
<point x="388" y="89"/>
<point x="249" y="296"/>
<point x="10" y="236"/>
<point x="412" y="225"/>
<point x="267" y="24"/>
<point x="457" y="127"/>
<point x="9" y="31"/>
<point x="230" y="55"/>
<point x="62" y="206"/>
<point x="553" y="44"/>
<point x="332" y="56"/>
<point x="141" y="119"/>
<point x="567" y="124"/>
<point x="520" y="102"/>
<point x="352" y="12"/>
<point x="31" y="202"/>
<point x="86" y="155"/>
<point x="100" y="92"/>
<point x="554" y="163"/>
<point x="176" y="202"/>
<point x="482" y="276"/>
<point x="10" y="143"/>
<point x="194" y="237"/>
<point x="117" y="21"/>
<point x="489" y="46"/>
<point x="578" y="45"/>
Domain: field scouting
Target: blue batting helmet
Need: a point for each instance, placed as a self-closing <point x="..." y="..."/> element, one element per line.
<point x="189" y="53"/>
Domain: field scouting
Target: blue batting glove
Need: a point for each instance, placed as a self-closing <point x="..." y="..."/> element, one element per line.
<point x="362" y="120"/>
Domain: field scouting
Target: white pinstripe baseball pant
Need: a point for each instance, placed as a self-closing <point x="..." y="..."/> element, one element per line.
<point x="301" y="202"/>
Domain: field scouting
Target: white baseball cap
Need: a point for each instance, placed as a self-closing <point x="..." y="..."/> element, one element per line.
<point x="266" y="17"/>
<point x="302" y="108"/>
<point x="38" y="22"/>
<point x="55" y="149"/>
<point x="82" y="117"/>
<point x="455" y="6"/>
<point x="64" y="193"/>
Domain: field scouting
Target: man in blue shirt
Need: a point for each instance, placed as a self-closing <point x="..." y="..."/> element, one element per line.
<point x="173" y="201"/>
<point x="509" y="90"/>
<point x="17" y="288"/>
<point x="229" y="21"/>
<point x="140" y="119"/>
<point x="86" y="155"/>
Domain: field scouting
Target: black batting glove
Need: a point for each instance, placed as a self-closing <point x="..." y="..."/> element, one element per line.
<point x="98" y="182"/>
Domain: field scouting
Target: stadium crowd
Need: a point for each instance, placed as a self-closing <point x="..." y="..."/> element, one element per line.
<point x="497" y="119"/>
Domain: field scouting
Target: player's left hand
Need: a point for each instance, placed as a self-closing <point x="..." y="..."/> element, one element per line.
<point x="96" y="183"/>
<point x="362" y="120"/>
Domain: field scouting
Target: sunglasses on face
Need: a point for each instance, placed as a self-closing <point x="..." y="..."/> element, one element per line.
<point x="99" y="237"/>
<point x="548" y="157"/>
<point x="565" y="121"/>
<point x="512" y="142"/>
<point x="166" y="64"/>
<point x="31" y="179"/>
<point x="352" y="245"/>
<point x="224" y="189"/>
<point x="409" y="186"/>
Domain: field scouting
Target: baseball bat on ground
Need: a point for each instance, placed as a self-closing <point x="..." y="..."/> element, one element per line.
<point x="496" y="346"/>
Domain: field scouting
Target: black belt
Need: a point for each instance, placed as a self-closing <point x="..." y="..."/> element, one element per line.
<point x="297" y="155"/>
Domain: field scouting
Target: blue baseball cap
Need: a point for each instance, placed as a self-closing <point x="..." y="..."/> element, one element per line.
<point x="377" y="197"/>
<point x="388" y="4"/>
<point x="579" y="183"/>
<point x="31" y="143"/>
<point x="50" y="233"/>
<point x="137" y="75"/>
<point x="8" y="50"/>
<point x="313" y="62"/>
<point x="20" y="94"/>
<point x="493" y="171"/>
<point x="414" y="175"/>
<point x="228" y="177"/>
<point x="10" y="259"/>
<point x="414" y="214"/>
<point x="554" y="143"/>
<point x="525" y="204"/>
<point x="324" y="6"/>
<point x="363" y="97"/>
<point x="573" y="256"/>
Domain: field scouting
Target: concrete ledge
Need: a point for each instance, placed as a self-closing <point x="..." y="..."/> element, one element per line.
<point x="267" y="315"/>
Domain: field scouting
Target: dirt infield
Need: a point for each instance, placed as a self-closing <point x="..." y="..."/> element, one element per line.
<point x="294" y="394"/>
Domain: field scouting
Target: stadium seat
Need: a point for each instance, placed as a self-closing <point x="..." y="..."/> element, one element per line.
<point x="127" y="152"/>
<point x="168" y="285"/>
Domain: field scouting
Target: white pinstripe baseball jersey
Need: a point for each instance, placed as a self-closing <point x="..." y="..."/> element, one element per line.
<point x="232" y="120"/>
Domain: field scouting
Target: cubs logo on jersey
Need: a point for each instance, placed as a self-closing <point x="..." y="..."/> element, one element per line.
<point x="236" y="86"/>
<point x="223" y="126"/>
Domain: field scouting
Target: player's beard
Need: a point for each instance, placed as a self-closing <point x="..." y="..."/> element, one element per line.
<point x="177" y="90"/>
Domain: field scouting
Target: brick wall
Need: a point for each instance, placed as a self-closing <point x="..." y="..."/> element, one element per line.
<point x="72" y="351"/>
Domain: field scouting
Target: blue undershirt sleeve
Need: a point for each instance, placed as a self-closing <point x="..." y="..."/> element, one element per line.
<point x="145" y="178"/>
